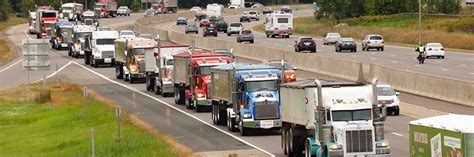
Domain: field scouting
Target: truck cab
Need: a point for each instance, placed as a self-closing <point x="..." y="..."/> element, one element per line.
<point x="102" y="48"/>
<point x="333" y="118"/>
<point x="80" y="33"/>
<point x="61" y="34"/>
<point x="71" y="11"/>
<point x="245" y="96"/>
<point x="46" y="20"/>
<point x="279" y="23"/>
<point x="130" y="57"/>
<point x="191" y="76"/>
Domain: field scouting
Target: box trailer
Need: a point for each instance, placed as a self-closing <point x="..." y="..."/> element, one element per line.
<point x="449" y="135"/>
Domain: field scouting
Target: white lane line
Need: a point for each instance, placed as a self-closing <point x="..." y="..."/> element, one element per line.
<point x="171" y="106"/>
<point x="394" y="62"/>
<point x="353" y="55"/>
<point x="394" y="133"/>
<point x="471" y="73"/>
<point x="373" y="58"/>
<point x="418" y="65"/>
<point x="11" y="65"/>
<point x="444" y="69"/>
<point x="438" y="61"/>
<point x="463" y="65"/>
<point x="393" y="55"/>
<point x="54" y="73"/>
<point x="27" y="34"/>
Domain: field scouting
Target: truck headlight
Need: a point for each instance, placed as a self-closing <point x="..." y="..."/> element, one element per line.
<point x="382" y="144"/>
<point x="334" y="146"/>
<point x="133" y="69"/>
<point x="201" y="95"/>
<point x="247" y="115"/>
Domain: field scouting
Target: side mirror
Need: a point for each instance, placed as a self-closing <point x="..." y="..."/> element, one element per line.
<point x="126" y="53"/>
<point x="397" y="93"/>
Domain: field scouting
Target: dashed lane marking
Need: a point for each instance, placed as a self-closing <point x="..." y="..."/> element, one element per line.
<point x="394" y="62"/>
<point x="444" y="69"/>
<point x="394" y="133"/>
<point x="373" y="58"/>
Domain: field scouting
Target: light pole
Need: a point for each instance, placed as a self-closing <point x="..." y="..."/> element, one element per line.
<point x="419" y="22"/>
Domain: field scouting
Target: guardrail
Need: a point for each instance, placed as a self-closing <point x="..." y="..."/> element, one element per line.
<point x="447" y="89"/>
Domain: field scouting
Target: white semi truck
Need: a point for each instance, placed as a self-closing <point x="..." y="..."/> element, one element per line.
<point x="329" y="118"/>
<point x="159" y="68"/>
<point x="71" y="11"/>
<point x="80" y="33"/>
<point x="102" y="50"/>
<point x="215" y="11"/>
<point x="236" y="4"/>
<point x="279" y="23"/>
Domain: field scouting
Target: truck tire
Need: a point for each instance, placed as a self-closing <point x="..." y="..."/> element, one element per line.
<point x="284" y="141"/>
<point x="214" y="111"/>
<point x="131" y="79"/>
<point x="188" y="103"/>
<point x="157" y="90"/>
<point x="148" y="86"/>
<point x="178" y="95"/>
<point x="295" y="143"/>
<point x="86" y="59"/>
<point x="222" y="114"/>
<point x="307" y="149"/>
<point x="243" y="130"/>
<point x="118" y="71"/>
<point x="198" y="108"/>
<point x="95" y="64"/>
<point x="231" y="123"/>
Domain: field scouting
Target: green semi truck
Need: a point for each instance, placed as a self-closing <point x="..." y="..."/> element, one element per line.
<point x="442" y="136"/>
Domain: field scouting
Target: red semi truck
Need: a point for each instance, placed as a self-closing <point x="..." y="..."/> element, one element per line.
<point x="106" y="8"/>
<point x="191" y="76"/>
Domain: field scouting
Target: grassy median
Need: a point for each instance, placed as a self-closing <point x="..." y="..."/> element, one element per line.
<point x="54" y="125"/>
<point x="452" y="32"/>
<point x="7" y="53"/>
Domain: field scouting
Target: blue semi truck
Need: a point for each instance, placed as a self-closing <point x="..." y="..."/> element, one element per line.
<point x="245" y="97"/>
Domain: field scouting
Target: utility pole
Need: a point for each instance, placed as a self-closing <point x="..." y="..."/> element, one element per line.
<point x="419" y="23"/>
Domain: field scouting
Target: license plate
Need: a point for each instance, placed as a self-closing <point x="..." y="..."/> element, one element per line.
<point x="107" y="60"/>
<point x="63" y="45"/>
<point x="266" y="124"/>
<point x="211" y="31"/>
<point x="307" y="44"/>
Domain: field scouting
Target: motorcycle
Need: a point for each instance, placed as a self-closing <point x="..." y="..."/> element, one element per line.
<point x="421" y="58"/>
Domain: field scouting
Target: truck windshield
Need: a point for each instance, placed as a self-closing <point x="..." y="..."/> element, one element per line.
<point x="50" y="14"/>
<point x="67" y="8"/>
<point x="82" y="35"/>
<point x="253" y="86"/>
<point x="142" y="51"/>
<point x="205" y="70"/>
<point x="105" y="41"/>
<point x="351" y="115"/>
<point x="385" y="91"/>
<point x="282" y="20"/>
<point x="278" y="65"/>
<point x="48" y="25"/>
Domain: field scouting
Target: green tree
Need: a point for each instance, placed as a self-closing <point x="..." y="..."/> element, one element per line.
<point x="447" y="6"/>
<point x="135" y="6"/>
<point x="27" y="6"/>
<point x="5" y="9"/>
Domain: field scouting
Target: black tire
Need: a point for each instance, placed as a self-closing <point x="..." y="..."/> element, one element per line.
<point x="251" y="41"/>
<point x="228" y="34"/>
<point x="148" y="83"/>
<point x="157" y="90"/>
<point x="86" y="59"/>
<point x="231" y="124"/>
<point x="118" y="71"/>
<point x="355" y="50"/>
<point x="131" y="79"/>
<point x="381" y="48"/>
<point x="313" y="50"/>
<point x="295" y="146"/>
<point x="307" y="149"/>
<point x="215" y="35"/>
<point x="396" y="112"/>
<point x="284" y="142"/>
<point x="95" y="64"/>
<point x="243" y="131"/>
<point x="176" y="95"/>
<point x="214" y="112"/>
<point x="222" y="114"/>
<point x="187" y="103"/>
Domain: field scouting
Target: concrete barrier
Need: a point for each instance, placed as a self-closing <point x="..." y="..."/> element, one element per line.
<point x="447" y="89"/>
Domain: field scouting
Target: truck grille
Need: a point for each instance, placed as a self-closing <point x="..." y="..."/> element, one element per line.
<point x="266" y="110"/>
<point x="359" y="141"/>
<point x="66" y="15"/>
<point x="107" y="54"/>
<point x="386" y="101"/>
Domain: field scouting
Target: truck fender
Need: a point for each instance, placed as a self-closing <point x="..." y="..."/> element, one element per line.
<point x="125" y="70"/>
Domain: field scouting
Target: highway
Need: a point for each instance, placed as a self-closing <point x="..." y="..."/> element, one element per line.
<point x="195" y="130"/>
<point x="456" y="65"/>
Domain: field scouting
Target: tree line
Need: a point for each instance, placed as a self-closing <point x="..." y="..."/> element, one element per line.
<point x="340" y="9"/>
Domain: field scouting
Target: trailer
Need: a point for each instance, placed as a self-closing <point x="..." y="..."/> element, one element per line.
<point x="159" y="68"/>
<point x="245" y="97"/>
<point x="215" y="12"/>
<point x="106" y="8"/>
<point x="130" y="57"/>
<point x="332" y="118"/>
<point x="279" y="23"/>
<point x="71" y="11"/>
<point x="191" y="76"/>
<point x="449" y="135"/>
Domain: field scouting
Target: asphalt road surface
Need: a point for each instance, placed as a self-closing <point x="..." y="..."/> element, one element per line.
<point x="456" y="65"/>
<point x="186" y="126"/>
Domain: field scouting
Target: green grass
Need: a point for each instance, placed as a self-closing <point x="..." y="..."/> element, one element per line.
<point x="6" y="54"/>
<point x="58" y="127"/>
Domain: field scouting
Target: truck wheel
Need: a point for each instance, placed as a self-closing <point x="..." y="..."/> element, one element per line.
<point x="396" y="112"/>
<point x="294" y="143"/>
<point x="95" y="64"/>
<point x="284" y="137"/>
<point x="198" y="108"/>
<point x="176" y="95"/>
<point x="214" y="112"/>
<point x="86" y="59"/>
<point x="307" y="149"/>
<point x="118" y="71"/>
<point x="243" y="131"/>
<point x="188" y="103"/>
<point x="158" y="90"/>
<point x="230" y="123"/>
<point x="131" y="79"/>
<point x="222" y="114"/>
<point x="148" y="86"/>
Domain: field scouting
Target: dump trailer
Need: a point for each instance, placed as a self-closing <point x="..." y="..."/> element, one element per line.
<point x="245" y="96"/>
<point x="191" y="76"/>
<point x="71" y="11"/>
<point x="159" y="68"/>
<point x="330" y="118"/>
<point x="106" y="8"/>
<point x="61" y="34"/>
<point x="80" y="33"/>
<point x="130" y="57"/>
<point x="449" y="135"/>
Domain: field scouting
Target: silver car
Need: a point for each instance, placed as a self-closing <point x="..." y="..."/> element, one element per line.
<point x="373" y="41"/>
<point x="331" y="38"/>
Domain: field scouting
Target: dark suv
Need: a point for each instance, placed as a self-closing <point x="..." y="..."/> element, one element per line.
<point x="222" y="26"/>
<point x="209" y="31"/>
<point x="346" y="44"/>
<point x="305" y="44"/>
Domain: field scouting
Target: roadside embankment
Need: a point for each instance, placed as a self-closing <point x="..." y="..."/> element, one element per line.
<point x="7" y="53"/>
